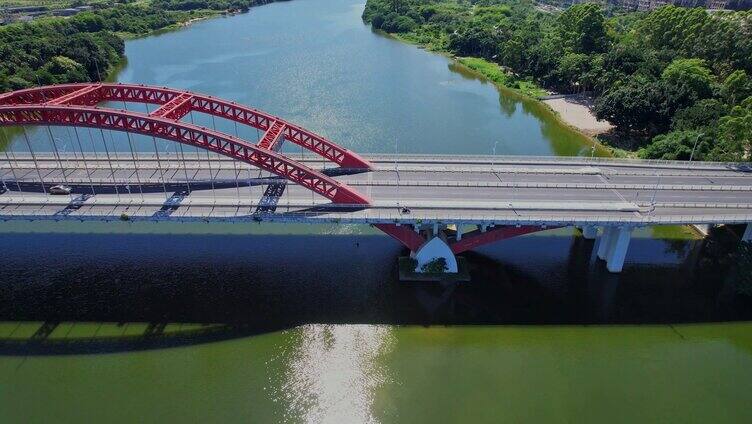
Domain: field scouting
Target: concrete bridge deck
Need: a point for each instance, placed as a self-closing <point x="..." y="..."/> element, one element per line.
<point x="480" y="190"/>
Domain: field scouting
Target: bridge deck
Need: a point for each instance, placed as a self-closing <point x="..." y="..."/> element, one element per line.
<point x="450" y="189"/>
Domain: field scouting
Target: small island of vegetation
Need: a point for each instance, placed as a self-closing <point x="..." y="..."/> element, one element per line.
<point x="675" y="82"/>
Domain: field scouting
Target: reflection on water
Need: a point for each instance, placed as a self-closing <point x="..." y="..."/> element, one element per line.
<point x="334" y="372"/>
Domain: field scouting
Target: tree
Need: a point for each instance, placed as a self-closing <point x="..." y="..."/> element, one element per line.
<point x="397" y="23"/>
<point x="377" y="21"/>
<point x="736" y="87"/>
<point x="475" y="41"/>
<point x="704" y="113"/>
<point x="673" y="28"/>
<point x="572" y="69"/>
<point x="435" y="266"/>
<point x="65" y="69"/>
<point x="637" y="105"/>
<point x="735" y="134"/>
<point x="677" y="145"/>
<point x="625" y="58"/>
<point x="691" y="73"/>
<point x="583" y="28"/>
<point x="88" y="22"/>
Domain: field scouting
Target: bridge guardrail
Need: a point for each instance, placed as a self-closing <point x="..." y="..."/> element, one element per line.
<point x="562" y="159"/>
<point x="369" y="216"/>
<point x="480" y="159"/>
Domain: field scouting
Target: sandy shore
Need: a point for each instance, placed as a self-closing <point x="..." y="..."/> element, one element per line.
<point x="577" y="112"/>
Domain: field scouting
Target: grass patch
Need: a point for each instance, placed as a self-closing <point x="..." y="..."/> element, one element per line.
<point x="495" y="73"/>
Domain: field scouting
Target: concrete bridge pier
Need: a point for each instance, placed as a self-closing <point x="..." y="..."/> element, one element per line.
<point x="603" y="243"/>
<point x="433" y="249"/>
<point x="435" y="246"/>
<point x="589" y="232"/>
<point x="747" y="236"/>
<point x="613" y="247"/>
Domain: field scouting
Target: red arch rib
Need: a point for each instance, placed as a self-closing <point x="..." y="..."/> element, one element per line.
<point x="169" y="129"/>
<point x="178" y="104"/>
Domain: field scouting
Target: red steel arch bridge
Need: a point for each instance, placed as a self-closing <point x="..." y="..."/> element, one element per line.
<point x="463" y="201"/>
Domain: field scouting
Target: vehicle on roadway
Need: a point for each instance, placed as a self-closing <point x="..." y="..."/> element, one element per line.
<point x="60" y="190"/>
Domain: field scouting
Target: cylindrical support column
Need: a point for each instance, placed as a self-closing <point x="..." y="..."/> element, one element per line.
<point x="589" y="232"/>
<point x="747" y="236"/>
<point x="605" y="242"/>
<point x="618" y="251"/>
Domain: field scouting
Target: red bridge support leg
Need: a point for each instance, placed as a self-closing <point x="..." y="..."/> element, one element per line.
<point x="478" y="237"/>
<point x="404" y="234"/>
<point x="411" y="239"/>
<point x="439" y="246"/>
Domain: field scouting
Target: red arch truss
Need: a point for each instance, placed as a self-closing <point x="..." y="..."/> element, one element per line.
<point x="73" y="105"/>
<point x="175" y="104"/>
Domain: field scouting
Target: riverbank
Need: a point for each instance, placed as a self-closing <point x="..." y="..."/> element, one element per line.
<point x="203" y="14"/>
<point x="573" y="111"/>
<point x="578" y="118"/>
<point x="577" y="111"/>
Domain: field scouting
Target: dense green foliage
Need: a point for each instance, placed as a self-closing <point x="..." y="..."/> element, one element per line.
<point x="55" y="50"/>
<point x="665" y="77"/>
<point x="84" y="47"/>
<point x="435" y="266"/>
<point x="207" y="4"/>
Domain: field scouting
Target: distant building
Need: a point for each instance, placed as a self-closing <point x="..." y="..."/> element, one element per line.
<point x="718" y="4"/>
<point x="28" y="13"/>
<point x="22" y="9"/>
<point x="64" y="12"/>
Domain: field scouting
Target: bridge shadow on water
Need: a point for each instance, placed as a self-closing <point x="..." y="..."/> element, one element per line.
<point x="223" y="287"/>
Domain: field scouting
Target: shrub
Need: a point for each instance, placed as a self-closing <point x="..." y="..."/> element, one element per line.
<point x="435" y="266"/>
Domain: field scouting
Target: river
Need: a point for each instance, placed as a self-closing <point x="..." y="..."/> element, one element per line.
<point x="270" y="323"/>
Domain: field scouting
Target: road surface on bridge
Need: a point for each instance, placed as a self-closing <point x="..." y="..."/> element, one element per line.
<point x="498" y="190"/>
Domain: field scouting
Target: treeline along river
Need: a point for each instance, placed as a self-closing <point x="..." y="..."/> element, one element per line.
<point x="310" y="324"/>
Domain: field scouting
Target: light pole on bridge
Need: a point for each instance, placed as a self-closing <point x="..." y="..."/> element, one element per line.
<point x="493" y="157"/>
<point x="692" y="155"/>
<point x="396" y="170"/>
<point x="655" y="191"/>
